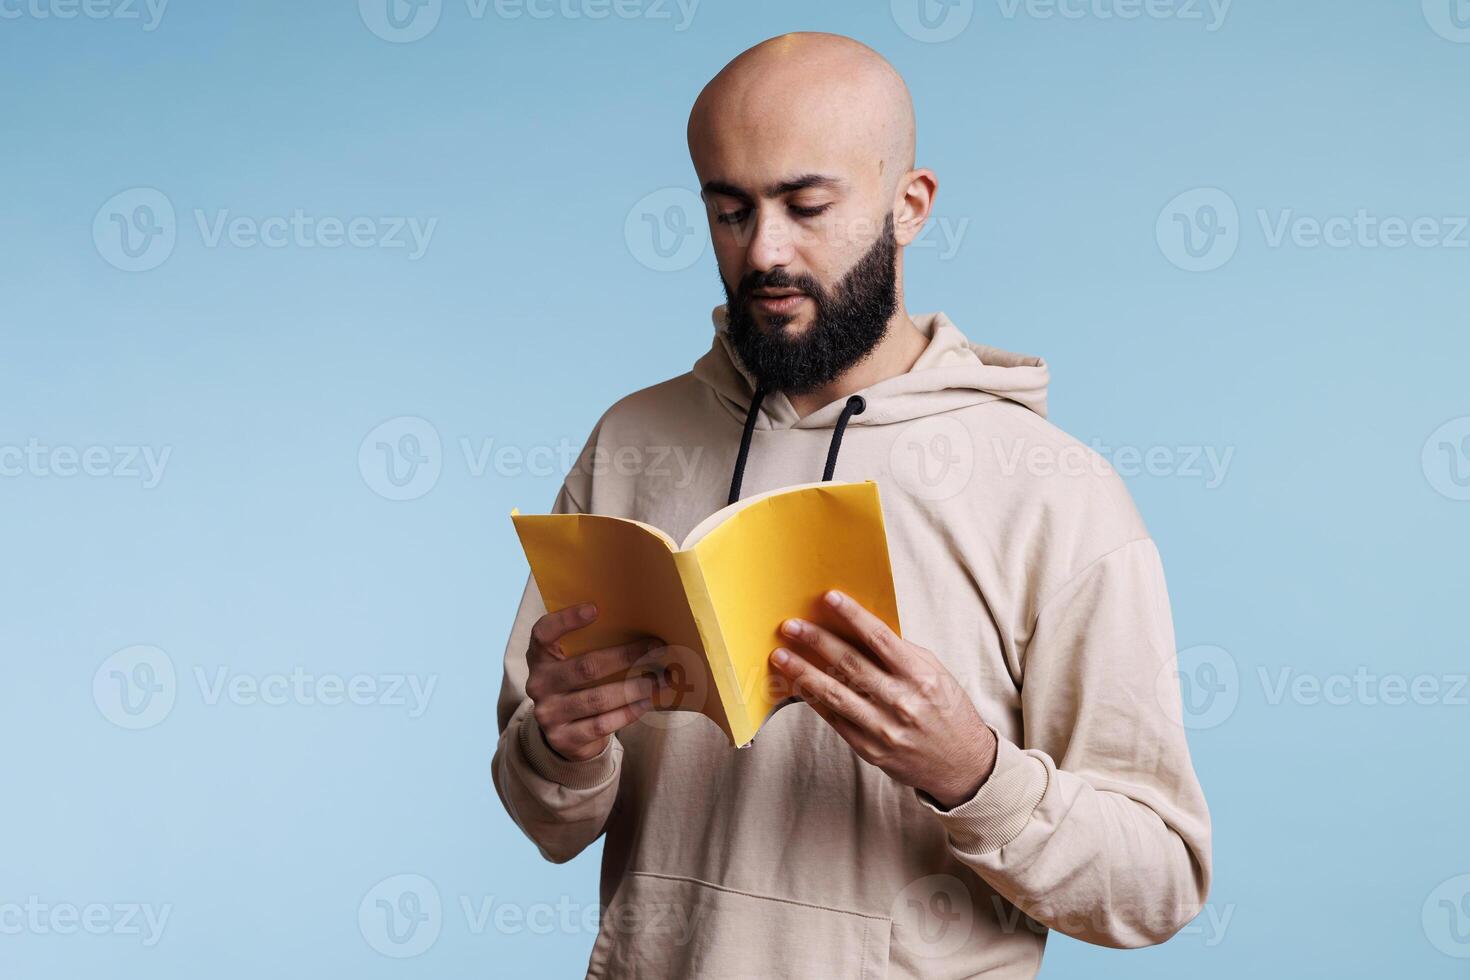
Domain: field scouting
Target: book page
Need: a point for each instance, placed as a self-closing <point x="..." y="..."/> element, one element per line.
<point x="729" y="510"/>
<point x="627" y="568"/>
<point x="773" y="558"/>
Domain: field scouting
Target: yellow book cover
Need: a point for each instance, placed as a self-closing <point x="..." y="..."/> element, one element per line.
<point x="719" y="597"/>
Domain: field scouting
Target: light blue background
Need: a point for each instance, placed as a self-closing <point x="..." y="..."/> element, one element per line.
<point x="1327" y="547"/>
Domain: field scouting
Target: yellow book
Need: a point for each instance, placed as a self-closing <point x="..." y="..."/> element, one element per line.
<point x="719" y="598"/>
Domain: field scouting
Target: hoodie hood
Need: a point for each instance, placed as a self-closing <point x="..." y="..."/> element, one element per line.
<point x="951" y="373"/>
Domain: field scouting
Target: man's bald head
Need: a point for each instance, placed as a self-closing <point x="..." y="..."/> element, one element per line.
<point x="814" y="88"/>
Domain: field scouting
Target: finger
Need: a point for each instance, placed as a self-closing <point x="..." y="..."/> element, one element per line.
<point x="887" y="646"/>
<point x="550" y="628"/>
<point x="849" y="733"/>
<point x="850" y="665"/>
<point x="564" y="709"/>
<point x="816" y="687"/>
<point x="598" y="727"/>
<point x="594" y="665"/>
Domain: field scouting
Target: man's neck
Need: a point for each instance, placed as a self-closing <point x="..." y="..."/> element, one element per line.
<point x="894" y="355"/>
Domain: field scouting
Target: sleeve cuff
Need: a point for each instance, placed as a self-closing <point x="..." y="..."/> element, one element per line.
<point x="1003" y="805"/>
<point x="544" y="761"/>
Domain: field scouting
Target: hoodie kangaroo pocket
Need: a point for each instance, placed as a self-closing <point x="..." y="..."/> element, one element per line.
<point x="667" y="926"/>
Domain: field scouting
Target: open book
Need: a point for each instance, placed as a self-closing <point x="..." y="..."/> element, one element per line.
<point x="718" y="599"/>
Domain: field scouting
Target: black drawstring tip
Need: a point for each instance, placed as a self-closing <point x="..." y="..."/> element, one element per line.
<point x="856" y="405"/>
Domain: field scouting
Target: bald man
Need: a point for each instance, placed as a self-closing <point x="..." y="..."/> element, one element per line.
<point x="929" y="805"/>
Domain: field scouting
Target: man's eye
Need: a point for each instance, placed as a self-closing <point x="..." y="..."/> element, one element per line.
<point x="732" y="217"/>
<point x="809" y="212"/>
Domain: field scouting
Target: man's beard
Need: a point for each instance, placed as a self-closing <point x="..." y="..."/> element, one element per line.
<point x="850" y="321"/>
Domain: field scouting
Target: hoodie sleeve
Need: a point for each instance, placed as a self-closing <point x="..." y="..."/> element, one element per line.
<point x="560" y="804"/>
<point x="1097" y="827"/>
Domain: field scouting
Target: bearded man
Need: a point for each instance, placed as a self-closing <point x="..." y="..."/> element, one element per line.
<point x="935" y="803"/>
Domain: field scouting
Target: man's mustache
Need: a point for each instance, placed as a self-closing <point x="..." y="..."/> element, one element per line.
<point x="779" y="281"/>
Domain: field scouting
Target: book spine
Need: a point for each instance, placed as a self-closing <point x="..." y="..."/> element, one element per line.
<point x="727" y="684"/>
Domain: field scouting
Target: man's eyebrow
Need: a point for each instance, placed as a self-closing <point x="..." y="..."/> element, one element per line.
<point x="803" y="182"/>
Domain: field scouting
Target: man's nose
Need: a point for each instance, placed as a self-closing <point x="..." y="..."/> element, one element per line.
<point x="772" y="243"/>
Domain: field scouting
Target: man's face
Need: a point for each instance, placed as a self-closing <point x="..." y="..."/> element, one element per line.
<point x="804" y="147"/>
<point x="808" y="264"/>
<point x="845" y="320"/>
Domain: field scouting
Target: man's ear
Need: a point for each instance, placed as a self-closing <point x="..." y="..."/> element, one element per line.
<point x="913" y="204"/>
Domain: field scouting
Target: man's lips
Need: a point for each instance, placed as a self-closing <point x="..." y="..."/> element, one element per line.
<point x="783" y="301"/>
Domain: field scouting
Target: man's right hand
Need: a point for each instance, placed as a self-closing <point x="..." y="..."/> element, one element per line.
<point x="577" y="719"/>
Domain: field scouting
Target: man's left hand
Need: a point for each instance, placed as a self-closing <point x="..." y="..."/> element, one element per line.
<point x="893" y="701"/>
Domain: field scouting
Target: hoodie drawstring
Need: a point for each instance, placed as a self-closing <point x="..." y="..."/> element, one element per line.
<point x="755" y="407"/>
<point x="855" y="406"/>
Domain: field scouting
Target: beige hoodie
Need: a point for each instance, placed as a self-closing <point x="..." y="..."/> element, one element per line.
<point x="1020" y="561"/>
